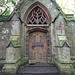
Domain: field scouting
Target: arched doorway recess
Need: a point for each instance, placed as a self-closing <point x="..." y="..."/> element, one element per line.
<point x="37" y="19"/>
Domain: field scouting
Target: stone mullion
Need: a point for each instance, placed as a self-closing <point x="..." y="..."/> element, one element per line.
<point x="48" y="41"/>
<point x="27" y="41"/>
<point x="48" y="49"/>
<point x="50" y="45"/>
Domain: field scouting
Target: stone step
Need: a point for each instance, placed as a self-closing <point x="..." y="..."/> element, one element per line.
<point x="38" y="74"/>
<point x="39" y="69"/>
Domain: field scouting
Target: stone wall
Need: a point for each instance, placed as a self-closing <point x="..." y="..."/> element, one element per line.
<point x="59" y="27"/>
<point x="51" y="8"/>
<point x="47" y="3"/>
<point x="5" y="32"/>
<point x="8" y="28"/>
<point x="70" y="33"/>
<point x="17" y="27"/>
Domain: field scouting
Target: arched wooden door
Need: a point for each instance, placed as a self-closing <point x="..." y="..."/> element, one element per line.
<point x="37" y="17"/>
<point x="38" y="47"/>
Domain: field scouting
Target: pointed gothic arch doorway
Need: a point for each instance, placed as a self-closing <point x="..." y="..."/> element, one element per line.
<point x="38" y="20"/>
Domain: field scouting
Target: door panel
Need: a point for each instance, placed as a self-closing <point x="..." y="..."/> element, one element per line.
<point x="38" y="47"/>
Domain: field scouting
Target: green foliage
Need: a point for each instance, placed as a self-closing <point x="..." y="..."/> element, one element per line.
<point x="13" y="2"/>
<point x="7" y="12"/>
<point x="5" y="8"/>
<point x="19" y="2"/>
<point x="67" y="6"/>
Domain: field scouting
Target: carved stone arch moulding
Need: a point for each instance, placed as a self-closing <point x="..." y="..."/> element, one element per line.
<point x="37" y="13"/>
<point x="37" y="29"/>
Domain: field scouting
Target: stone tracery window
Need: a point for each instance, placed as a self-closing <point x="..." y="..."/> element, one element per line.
<point x="37" y="16"/>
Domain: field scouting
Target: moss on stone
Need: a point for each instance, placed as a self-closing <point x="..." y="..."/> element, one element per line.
<point x="14" y="41"/>
<point x="24" y="60"/>
<point x="65" y="68"/>
<point x="11" y="69"/>
<point x="1" y="23"/>
<point x="31" y="62"/>
<point x="13" y="61"/>
<point x="72" y="57"/>
<point x="13" y="38"/>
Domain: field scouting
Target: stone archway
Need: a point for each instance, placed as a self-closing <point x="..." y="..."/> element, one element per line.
<point x="38" y="41"/>
<point x="34" y="8"/>
<point x="37" y="45"/>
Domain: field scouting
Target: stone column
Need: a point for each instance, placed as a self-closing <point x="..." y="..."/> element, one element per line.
<point x="25" y="36"/>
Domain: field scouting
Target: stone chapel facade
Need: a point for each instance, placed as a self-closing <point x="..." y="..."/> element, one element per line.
<point x="37" y="32"/>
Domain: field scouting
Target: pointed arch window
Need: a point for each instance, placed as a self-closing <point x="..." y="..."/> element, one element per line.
<point x="37" y="16"/>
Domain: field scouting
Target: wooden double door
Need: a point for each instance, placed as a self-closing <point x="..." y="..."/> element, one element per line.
<point x="38" y="47"/>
